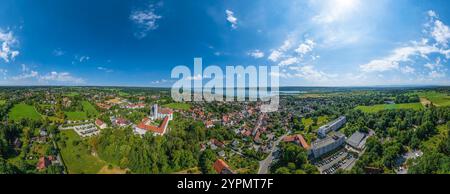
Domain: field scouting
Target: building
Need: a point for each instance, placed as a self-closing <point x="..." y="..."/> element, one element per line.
<point x="357" y="140"/>
<point x="136" y="106"/>
<point x="145" y="126"/>
<point x="331" y="126"/>
<point x="162" y="113"/>
<point x="100" y="124"/>
<point x="43" y="163"/>
<point x="221" y="167"/>
<point x="327" y="144"/>
<point x="298" y="139"/>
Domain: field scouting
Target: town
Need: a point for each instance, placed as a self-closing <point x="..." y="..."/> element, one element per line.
<point x="113" y="130"/>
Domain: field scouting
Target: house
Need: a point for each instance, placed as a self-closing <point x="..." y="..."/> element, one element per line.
<point x="121" y="122"/>
<point x="221" y="167"/>
<point x="217" y="143"/>
<point x="298" y="139"/>
<point x="100" y="124"/>
<point x="136" y="106"/>
<point x="209" y="124"/>
<point x="221" y="154"/>
<point x="43" y="163"/>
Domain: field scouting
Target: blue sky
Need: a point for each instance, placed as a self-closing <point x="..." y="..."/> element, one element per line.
<point x="137" y="43"/>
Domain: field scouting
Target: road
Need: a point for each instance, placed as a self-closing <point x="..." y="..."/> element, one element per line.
<point x="265" y="164"/>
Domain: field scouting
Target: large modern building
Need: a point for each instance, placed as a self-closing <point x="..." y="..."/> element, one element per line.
<point x="357" y="140"/>
<point x="331" y="126"/>
<point x="327" y="144"/>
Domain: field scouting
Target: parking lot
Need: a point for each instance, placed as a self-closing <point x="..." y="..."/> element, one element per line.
<point x="341" y="159"/>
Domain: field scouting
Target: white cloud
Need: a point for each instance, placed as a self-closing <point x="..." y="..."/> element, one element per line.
<point x="105" y="69"/>
<point x="195" y="78"/>
<point x="305" y="47"/>
<point x="275" y="55"/>
<point x="436" y="75"/>
<point x="407" y="69"/>
<point x="26" y="75"/>
<point x="308" y="72"/>
<point x="441" y="33"/>
<point x="288" y="61"/>
<point x="256" y="54"/>
<point x="146" y="20"/>
<point x="231" y="18"/>
<point x="61" y="77"/>
<point x="7" y="39"/>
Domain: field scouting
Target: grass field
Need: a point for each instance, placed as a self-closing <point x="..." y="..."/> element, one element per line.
<point x="322" y="120"/>
<point x="89" y="109"/>
<point x="23" y="111"/>
<point x="114" y="170"/>
<point x="72" y="94"/>
<point x="179" y="106"/>
<point x="437" y="98"/>
<point x="78" y="158"/>
<point x="380" y="107"/>
<point x="76" y="116"/>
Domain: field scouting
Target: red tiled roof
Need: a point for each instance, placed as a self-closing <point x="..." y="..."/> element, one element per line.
<point x="298" y="139"/>
<point x="155" y="129"/>
<point x="98" y="122"/>
<point x="43" y="163"/>
<point x="219" y="165"/>
<point x="165" y="111"/>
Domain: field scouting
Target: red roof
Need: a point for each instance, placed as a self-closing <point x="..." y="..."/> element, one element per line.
<point x="151" y="128"/>
<point x="165" y="111"/>
<point x="43" y="163"/>
<point x="121" y="121"/>
<point x="298" y="139"/>
<point x="217" y="142"/>
<point x="98" y="122"/>
<point x="220" y="165"/>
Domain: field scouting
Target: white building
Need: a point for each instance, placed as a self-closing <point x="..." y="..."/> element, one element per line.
<point x="331" y="126"/>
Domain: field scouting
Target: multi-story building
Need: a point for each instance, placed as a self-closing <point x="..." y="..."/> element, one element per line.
<point x="327" y="144"/>
<point x="331" y="126"/>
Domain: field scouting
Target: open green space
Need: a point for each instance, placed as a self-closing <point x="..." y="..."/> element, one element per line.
<point x="437" y="98"/>
<point x="179" y="106"/>
<point x="321" y="120"/>
<point x="72" y="94"/>
<point x="76" y="115"/>
<point x="23" y="111"/>
<point x="89" y="108"/>
<point x="380" y="107"/>
<point x="433" y="142"/>
<point x="77" y="156"/>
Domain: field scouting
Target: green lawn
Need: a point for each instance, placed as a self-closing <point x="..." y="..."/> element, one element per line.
<point x="437" y="98"/>
<point x="380" y="107"/>
<point x="89" y="109"/>
<point x="179" y="106"/>
<point x="322" y="120"/>
<point x="77" y="157"/>
<point x="23" y="111"/>
<point x="76" y="116"/>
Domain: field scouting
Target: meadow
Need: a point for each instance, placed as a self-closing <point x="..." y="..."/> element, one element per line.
<point x="179" y="106"/>
<point x="380" y="107"/>
<point x="23" y="111"/>
<point x="437" y="98"/>
<point x="77" y="156"/>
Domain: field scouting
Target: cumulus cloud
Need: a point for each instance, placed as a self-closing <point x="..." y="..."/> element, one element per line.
<point x="308" y="72"/>
<point x="256" y="54"/>
<point x="305" y="47"/>
<point x="441" y="33"/>
<point x="288" y="61"/>
<point x="275" y="55"/>
<point x="231" y="18"/>
<point x="145" y="20"/>
<point x="8" y="42"/>
<point x="58" y="52"/>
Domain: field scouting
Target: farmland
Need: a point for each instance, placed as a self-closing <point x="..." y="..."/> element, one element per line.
<point x="380" y="107"/>
<point x="437" y="98"/>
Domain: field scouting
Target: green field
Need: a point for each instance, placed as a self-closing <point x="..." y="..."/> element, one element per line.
<point x="77" y="157"/>
<point x="72" y="94"/>
<point x="89" y="109"/>
<point x="380" y="107"/>
<point x="2" y="102"/>
<point x="322" y="120"/>
<point x="76" y="116"/>
<point x="23" y="111"/>
<point x="179" y="106"/>
<point x="437" y="98"/>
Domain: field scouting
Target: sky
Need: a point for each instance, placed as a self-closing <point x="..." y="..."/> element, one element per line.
<point x="139" y="42"/>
